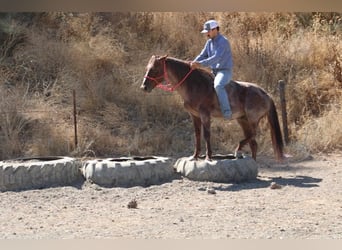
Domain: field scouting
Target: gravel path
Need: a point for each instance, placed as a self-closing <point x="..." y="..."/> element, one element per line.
<point x="306" y="203"/>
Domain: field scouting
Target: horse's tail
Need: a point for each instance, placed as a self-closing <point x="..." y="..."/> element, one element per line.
<point x="277" y="139"/>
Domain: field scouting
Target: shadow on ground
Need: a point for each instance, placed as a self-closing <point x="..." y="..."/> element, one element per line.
<point x="296" y="181"/>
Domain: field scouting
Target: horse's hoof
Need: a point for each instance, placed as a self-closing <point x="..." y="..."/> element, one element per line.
<point x="238" y="155"/>
<point x="208" y="159"/>
<point x="192" y="158"/>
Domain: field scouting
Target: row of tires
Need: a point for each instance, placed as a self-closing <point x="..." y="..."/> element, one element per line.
<point x="43" y="172"/>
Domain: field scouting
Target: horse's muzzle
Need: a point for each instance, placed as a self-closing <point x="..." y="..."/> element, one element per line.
<point x="144" y="87"/>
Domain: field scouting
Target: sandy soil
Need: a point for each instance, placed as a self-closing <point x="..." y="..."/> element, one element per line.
<point x="307" y="205"/>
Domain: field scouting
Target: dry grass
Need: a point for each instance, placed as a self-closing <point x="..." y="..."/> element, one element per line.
<point x="103" y="57"/>
<point x="323" y="134"/>
<point x="12" y="123"/>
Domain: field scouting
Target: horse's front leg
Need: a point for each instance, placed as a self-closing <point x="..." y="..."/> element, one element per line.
<point x="205" y="118"/>
<point x="197" y="127"/>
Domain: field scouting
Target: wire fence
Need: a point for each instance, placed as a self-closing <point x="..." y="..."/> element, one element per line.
<point x="72" y="113"/>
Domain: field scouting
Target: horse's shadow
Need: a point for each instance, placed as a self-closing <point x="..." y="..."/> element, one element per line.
<point x="299" y="181"/>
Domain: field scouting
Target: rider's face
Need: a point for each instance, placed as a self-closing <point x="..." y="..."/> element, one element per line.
<point x="211" y="33"/>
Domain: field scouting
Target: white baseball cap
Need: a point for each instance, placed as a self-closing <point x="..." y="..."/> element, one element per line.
<point x="209" y="25"/>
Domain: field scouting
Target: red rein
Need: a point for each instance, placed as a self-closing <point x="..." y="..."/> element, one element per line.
<point x="168" y="87"/>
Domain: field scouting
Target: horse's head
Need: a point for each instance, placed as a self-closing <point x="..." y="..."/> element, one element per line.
<point x="154" y="73"/>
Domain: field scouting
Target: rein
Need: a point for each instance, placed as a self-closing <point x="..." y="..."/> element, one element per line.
<point x="169" y="86"/>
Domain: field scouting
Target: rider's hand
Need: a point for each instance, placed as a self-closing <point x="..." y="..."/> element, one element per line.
<point x="194" y="65"/>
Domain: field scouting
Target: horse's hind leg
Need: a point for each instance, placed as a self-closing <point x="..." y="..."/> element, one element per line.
<point x="249" y="131"/>
<point x="254" y="147"/>
<point x="238" y="150"/>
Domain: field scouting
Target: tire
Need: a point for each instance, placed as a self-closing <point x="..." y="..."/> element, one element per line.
<point x="38" y="172"/>
<point x="223" y="169"/>
<point x="128" y="171"/>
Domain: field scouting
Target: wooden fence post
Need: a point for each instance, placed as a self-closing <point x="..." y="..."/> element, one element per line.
<point x="75" y="118"/>
<point x="281" y="85"/>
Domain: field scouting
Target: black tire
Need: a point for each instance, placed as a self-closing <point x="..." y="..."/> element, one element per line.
<point x="38" y="172"/>
<point x="128" y="171"/>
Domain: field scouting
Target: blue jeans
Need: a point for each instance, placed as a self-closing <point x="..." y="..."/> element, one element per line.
<point x="222" y="78"/>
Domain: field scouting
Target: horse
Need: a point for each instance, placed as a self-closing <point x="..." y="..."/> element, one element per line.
<point x="249" y="102"/>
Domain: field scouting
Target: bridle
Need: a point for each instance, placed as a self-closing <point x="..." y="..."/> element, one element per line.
<point x="168" y="86"/>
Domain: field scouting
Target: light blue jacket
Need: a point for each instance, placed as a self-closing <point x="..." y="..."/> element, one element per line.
<point x="216" y="54"/>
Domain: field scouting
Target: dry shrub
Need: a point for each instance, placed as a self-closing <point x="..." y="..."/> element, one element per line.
<point x="104" y="133"/>
<point x="177" y="34"/>
<point x="50" y="138"/>
<point x="172" y="33"/>
<point x="89" y="77"/>
<point x="310" y="50"/>
<point x="96" y="66"/>
<point x="40" y="62"/>
<point x="94" y="141"/>
<point x="65" y="26"/>
<point x="314" y="79"/>
<point x="7" y="75"/>
<point x="50" y="131"/>
<point x="312" y="95"/>
<point x="257" y="41"/>
<point x="13" y="123"/>
<point x="12" y="36"/>
<point x="107" y="48"/>
<point x="161" y="125"/>
<point x="323" y="134"/>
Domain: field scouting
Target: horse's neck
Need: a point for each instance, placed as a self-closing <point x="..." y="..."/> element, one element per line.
<point x="176" y="70"/>
<point x="195" y="89"/>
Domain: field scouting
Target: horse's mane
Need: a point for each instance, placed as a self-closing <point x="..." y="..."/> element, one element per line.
<point x="205" y="72"/>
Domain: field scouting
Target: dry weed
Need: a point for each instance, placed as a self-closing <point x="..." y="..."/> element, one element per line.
<point x="13" y="123"/>
<point x="324" y="133"/>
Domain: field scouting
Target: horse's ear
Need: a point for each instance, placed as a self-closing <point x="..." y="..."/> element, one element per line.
<point x="160" y="57"/>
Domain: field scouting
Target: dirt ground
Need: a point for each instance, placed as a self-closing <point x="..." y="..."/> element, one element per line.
<point x="306" y="203"/>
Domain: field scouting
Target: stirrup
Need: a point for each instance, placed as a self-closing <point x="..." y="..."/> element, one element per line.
<point x="228" y="116"/>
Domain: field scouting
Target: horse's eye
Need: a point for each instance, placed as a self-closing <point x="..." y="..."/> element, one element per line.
<point x="153" y="71"/>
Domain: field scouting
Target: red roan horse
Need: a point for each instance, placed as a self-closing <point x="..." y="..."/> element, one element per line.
<point x="249" y="102"/>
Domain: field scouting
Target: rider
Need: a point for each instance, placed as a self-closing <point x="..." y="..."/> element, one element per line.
<point x="217" y="55"/>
